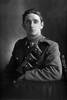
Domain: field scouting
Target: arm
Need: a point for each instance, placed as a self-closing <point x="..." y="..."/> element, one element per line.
<point x="11" y="67"/>
<point x="51" y="68"/>
<point x="10" y="70"/>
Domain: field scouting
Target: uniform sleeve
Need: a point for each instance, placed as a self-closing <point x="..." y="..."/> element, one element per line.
<point x="51" y="68"/>
<point x="11" y="66"/>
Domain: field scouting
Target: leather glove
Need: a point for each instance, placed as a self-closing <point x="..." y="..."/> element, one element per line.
<point x="31" y="60"/>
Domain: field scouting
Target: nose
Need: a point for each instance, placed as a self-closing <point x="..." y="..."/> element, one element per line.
<point x="31" y="24"/>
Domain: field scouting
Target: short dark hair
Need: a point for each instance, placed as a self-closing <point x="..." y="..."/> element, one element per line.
<point x="35" y="11"/>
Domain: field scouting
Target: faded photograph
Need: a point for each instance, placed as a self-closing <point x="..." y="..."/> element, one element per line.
<point x="33" y="61"/>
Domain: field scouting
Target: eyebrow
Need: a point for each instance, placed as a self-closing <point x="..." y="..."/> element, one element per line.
<point x="30" y="19"/>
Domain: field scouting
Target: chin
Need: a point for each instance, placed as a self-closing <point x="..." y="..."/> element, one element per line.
<point x="32" y="33"/>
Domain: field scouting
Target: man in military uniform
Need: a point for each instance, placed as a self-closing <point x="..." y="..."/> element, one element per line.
<point x="35" y="57"/>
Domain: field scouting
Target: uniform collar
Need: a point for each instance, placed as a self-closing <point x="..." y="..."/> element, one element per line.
<point x="34" y="40"/>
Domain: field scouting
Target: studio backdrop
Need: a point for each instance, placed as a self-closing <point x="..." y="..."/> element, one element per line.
<point x="54" y="13"/>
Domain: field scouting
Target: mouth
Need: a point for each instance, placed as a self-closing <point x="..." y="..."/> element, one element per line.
<point x="32" y="29"/>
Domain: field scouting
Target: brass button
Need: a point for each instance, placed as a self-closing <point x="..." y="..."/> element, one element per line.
<point x="28" y="47"/>
<point x="17" y="58"/>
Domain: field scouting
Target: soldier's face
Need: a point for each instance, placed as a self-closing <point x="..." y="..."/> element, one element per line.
<point x="33" y="24"/>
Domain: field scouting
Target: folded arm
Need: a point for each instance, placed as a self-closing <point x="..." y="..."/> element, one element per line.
<point x="51" y="67"/>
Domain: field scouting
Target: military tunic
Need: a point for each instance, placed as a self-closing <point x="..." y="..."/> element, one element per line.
<point x="38" y="60"/>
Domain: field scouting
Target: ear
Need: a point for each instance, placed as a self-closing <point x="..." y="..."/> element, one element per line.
<point x="42" y="25"/>
<point x="23" y="25"/>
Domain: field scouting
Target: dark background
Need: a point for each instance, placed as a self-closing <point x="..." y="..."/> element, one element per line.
<point x="55" y="17"/>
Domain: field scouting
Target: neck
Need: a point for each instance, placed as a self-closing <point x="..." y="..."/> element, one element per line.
<point x="34" y="37"/>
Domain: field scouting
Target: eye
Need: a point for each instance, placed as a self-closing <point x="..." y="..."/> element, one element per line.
<point x="35" y="21"/>
<point x="28" y="22"/>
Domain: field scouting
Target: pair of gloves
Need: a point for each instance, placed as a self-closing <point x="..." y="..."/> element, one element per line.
<point x="31" y="60"/>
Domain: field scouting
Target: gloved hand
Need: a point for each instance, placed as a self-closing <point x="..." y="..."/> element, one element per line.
<point x="36" y="51"/>
<point x="30" y="61"/>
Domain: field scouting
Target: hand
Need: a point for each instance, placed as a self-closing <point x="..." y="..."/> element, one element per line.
<point x="19" y="81"/>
